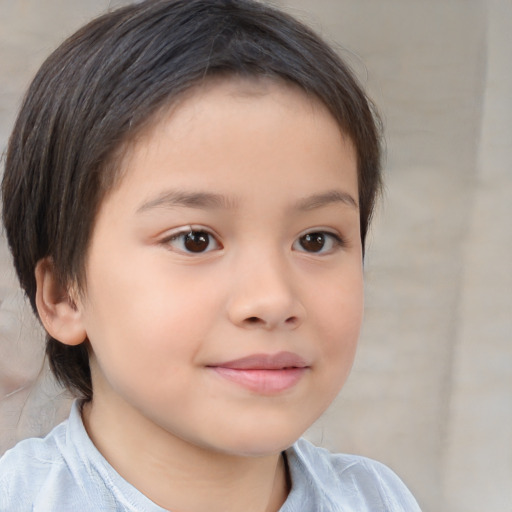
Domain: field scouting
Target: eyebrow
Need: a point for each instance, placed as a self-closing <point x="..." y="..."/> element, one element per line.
<point x="326" y="198"/>
<point x="212" y="201"/>
<point x="199" y="200"/>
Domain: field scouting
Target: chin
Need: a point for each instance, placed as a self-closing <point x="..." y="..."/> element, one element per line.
<point x="261" y="443"/>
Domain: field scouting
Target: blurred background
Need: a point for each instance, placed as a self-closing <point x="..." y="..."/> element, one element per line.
<point x="431" y="391"/>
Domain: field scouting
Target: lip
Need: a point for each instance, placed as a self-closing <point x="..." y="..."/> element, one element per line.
<point x="266" y="374"/>
<point x="279" y="361"/>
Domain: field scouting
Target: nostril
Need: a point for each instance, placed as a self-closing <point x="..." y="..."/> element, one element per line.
<point x="255" y="321"/>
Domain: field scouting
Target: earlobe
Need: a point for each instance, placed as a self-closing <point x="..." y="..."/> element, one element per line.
<point x="59" y="314"/>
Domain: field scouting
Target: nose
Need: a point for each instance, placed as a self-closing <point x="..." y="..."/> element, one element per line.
<point x="264" y="295"/>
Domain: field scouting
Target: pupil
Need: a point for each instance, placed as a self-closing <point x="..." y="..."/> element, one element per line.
<point x="313" y="242"/>
<point x="197" y="241"/>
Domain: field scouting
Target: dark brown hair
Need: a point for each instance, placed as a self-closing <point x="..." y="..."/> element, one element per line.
<point x="108" y="80"/>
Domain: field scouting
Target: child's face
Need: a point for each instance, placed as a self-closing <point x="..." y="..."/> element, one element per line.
<point x="224" y="289"/>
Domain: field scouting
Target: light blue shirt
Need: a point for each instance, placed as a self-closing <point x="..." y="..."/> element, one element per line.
<point x="64" y="472"/>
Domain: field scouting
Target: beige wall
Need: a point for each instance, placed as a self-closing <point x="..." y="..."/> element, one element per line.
<point x="431" y="391"/>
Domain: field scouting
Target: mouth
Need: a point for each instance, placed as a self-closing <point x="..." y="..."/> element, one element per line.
<point x="266" y="374"/>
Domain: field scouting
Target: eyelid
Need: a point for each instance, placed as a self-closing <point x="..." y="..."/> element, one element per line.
<point x="338" y="240"/>
<point x="176" y="233"/>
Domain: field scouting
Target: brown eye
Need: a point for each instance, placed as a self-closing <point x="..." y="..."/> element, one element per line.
<point x="318" y="242"/>
<point x="313" y="242"/>
<point x="192" y="242"/>
<point x="196" y="241"/>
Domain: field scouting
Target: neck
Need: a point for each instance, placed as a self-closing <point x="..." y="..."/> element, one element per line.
<point x="181" y="476"/>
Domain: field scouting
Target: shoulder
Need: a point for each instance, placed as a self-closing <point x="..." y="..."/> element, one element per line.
<point x="49" y="474"/>
<point x="26" y="469"/>
<point x="65" y="472"/>
<point x="347" y="481"/>
<point x="37" y="454"/>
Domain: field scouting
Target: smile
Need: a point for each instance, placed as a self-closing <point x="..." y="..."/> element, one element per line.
<point x="266" y="374"/>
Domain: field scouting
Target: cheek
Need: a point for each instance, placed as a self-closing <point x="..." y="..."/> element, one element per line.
<point x="337" y="310"/>
<point x="339" y="318"/>
<point x="340" y="308"/>
<point x="148" y="317"/>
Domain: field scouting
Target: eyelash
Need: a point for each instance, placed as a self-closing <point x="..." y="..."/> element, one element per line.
<point x="204" y="238"/>
<point x="205" y="234"/>
<point x="335" y="240"/>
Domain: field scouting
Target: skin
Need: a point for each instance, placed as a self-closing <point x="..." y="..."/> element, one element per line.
<point x="161" y="319"/>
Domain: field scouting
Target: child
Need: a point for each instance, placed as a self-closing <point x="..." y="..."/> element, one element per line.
<point x="187" y="192"/>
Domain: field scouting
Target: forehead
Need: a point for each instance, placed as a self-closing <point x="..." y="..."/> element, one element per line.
<point x="245" y="124"/>
<point x="217" y="91"/>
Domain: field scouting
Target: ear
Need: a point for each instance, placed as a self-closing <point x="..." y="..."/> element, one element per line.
<point x="57" y="310"/>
